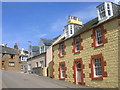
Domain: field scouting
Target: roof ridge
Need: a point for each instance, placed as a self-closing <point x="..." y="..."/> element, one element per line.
<point x="47" y="38"/>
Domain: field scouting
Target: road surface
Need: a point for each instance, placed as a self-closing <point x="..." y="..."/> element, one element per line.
<point x="20" y="80"/>
<point x="11" y="79"/>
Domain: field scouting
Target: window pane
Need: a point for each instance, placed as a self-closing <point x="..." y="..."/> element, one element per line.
<point x="79" y="65"/>
<point x="102" y="11"/>
<point x="62" y="70"/>
<point x="97" y="67"/>
<point x="77" y="44"/>
<point x="71" y="31"/>
<point x="108" y="6"/>
<point x="99" y="37"/>
<point x="109" y="13"/>
<point x="62" y="49"/>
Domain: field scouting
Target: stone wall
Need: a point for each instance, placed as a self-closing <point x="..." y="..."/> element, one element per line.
<point x="109" y="51"/>
<point x="6" y="58"/>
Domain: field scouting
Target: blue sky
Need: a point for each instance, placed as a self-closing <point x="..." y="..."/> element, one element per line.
<point x="30" y="21"/>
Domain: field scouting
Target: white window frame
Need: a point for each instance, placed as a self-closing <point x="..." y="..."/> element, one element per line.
<point x="62" y="71"/>
<point x="62" y="49"/>
<point x="11" y="64"/>
<point x="37" y="64"/>
<point x="71" y="29"/>
<point x="41" y="64"/>
<point x="100" y="12"/>
<point x="77" y="44"/>
<point x="42" y="49"/>
<point x="100" y="36"/>
<point x="29" y="67"/>
<point x="99" y="66"/>
<point x="106" y="11"/>
<point x="110" y="8"/>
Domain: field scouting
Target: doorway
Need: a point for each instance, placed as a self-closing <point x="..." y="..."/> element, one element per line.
<point x="78" y="72"/>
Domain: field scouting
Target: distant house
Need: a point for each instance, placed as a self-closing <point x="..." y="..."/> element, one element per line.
<point x="33" y="51"/>
<point x="36" y="64"/>
<point x="37" y="58"/>
<point x="10" y="59"/>
<point x="49" y="56"/>
<point x="44" y="44"/>
<point x="23" y="60"/>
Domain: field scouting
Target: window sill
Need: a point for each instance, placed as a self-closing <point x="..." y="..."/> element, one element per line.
<point x="81" y="83"/>
<point x="97" y="78"/>
<point x="62" y="78"/>
<point x="61" y="56"/>
<point x="99" y="46"/>
<point x="76" y="52"/>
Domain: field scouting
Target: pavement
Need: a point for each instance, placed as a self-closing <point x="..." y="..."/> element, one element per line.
<point x="0" y="79"/>
<point x="12" y="79"/>
<point x="59" y="82"/>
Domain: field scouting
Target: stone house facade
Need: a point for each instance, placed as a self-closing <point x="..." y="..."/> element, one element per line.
<point x="90" y="57"/>
<point x="37" y="63"/>
<point x="10" y="59"/>
<point x="23" y="55"/>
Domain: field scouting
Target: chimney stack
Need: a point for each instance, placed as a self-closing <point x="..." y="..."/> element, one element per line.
<point x="16" y="46"/>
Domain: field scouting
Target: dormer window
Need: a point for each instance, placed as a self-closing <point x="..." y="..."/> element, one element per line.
<point x="42" y="49"/>
<point x="71" y="29"/>
<point x="108" y="7"/>
<point x="102" y="12"/>
<point x="105" y="11"/>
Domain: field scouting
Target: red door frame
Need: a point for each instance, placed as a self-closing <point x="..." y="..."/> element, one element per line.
<point x="82" y="74"/>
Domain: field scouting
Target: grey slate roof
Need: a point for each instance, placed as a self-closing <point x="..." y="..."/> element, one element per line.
<point x="47" y="42"/>
<point x="94" y="22"/>
<point x="29" y="58"/>
<point x="8" y="50"/>
<point x="56" y="37"/>
<point x="35" y="48"/>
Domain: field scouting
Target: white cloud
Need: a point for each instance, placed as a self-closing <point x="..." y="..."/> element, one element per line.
<point x="41" y="35"/>
<point x="115" y="1"/>
<point x="58" y="25"/>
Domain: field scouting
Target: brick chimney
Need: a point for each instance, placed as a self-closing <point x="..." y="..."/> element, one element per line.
<point x="16" y="46"/>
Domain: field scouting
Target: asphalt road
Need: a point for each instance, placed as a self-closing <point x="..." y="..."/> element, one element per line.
<point x="20" y="80"/>
<point x="12" y="79"/>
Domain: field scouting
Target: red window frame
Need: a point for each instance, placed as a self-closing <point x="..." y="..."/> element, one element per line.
<point x="59" y="49"/>
<point x="93" y="36"/>
<point x="91" y="65"/>
<point x="59" y="69"/>
<point x="74" y="45"/>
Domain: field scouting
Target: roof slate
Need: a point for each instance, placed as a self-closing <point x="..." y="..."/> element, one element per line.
<point x="8" y="50"/>
<point x="34" y="48"/>
<point x="47" y="42"/>
<point x="92" y="23"/>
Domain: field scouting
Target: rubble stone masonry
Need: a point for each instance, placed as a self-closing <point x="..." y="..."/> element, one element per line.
<point x="109" y="52"/>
